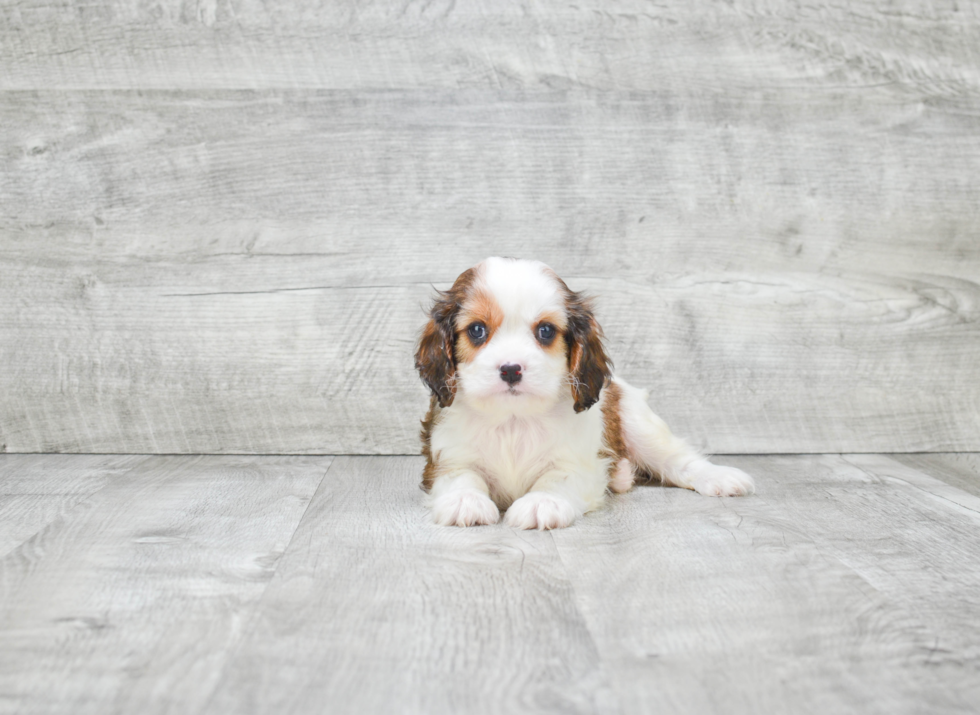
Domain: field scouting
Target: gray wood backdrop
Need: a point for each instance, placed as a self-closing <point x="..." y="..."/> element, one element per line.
<point x="220" y="221"/>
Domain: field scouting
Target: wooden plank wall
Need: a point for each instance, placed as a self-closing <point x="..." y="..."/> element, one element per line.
<point x="220" y="221"/>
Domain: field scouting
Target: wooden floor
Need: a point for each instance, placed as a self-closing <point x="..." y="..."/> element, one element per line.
<point x="232" y="584"/>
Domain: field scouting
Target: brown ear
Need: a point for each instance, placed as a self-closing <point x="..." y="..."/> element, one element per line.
<point x="588" y="365"/>
<point x="435" y="357"/>
<point x="434" y="360"/>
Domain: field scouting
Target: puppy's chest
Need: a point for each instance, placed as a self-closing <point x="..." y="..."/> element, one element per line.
<point x="517" y="448"/>
<point x="513" y="453"/>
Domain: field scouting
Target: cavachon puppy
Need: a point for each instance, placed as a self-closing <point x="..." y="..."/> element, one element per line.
<point x="526" y="415"/>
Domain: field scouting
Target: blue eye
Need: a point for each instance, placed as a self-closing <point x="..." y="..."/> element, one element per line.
<point x="546" y="332"/>
<point x="477" y="332"/>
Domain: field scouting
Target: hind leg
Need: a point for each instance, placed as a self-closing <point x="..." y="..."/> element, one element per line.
<point x="654" y="448"/>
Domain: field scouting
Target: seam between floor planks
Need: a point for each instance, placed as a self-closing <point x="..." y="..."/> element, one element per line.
<point x="252" y="618"/>
<point x="953" y="497"/>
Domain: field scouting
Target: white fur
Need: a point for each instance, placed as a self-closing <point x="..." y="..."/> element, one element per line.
<point x="523" y="293"/>
<point x="462" y="501"/>
<point x="524" y="448"/>
<point x="652" y="445"/>
<point x="541" y="510"/>
<point x="623" y="477"/>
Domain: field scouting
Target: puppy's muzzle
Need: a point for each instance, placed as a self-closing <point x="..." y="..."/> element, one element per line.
<point x="511" y="374"/>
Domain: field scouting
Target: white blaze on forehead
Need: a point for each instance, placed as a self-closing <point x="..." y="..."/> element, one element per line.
<point x="523" y="289"/>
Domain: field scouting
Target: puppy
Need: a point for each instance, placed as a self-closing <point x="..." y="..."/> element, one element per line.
<point x="526" y="415"/>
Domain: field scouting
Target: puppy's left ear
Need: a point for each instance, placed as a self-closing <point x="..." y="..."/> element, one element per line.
<point x="588" y="365"/>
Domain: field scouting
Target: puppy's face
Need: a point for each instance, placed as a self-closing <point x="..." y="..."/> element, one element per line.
<point x="510" y="336"/>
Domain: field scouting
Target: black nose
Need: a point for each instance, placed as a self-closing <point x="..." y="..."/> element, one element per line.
<point x="510" y="374"/>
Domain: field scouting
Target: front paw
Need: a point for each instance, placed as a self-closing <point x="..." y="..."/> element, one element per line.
<point x="540" y="510"/>
<point x="464" y="508"/>
<point x="714" y="480"/>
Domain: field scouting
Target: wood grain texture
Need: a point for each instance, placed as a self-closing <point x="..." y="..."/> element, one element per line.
<point x="245" y="272"/>
<point x="38" y="490"/>
<point x="375" y="610"/>
<point x="224" y="585"/>
<point x="131" y="600"/>
<point x="218" y="221"/>
<point x="837" y="589"/>
<point x="627" y="45"/>
<point x="961" y="470"/>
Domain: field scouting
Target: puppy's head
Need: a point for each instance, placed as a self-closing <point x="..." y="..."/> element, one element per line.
<point x="510" y="336"/>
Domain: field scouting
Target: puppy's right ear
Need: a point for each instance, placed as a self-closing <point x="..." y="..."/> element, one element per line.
<point x="435" y="356"/>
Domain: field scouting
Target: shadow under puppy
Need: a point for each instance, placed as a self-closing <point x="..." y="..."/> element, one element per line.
<point x="526" y="414"/>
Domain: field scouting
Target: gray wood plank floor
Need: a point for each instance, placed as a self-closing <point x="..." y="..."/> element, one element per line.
<point x="230" y="584"/>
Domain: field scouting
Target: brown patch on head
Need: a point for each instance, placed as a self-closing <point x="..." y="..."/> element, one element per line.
<point x="480" y="307"/>
<point x="435" y="355"/>
<point x="589" y="368"/>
